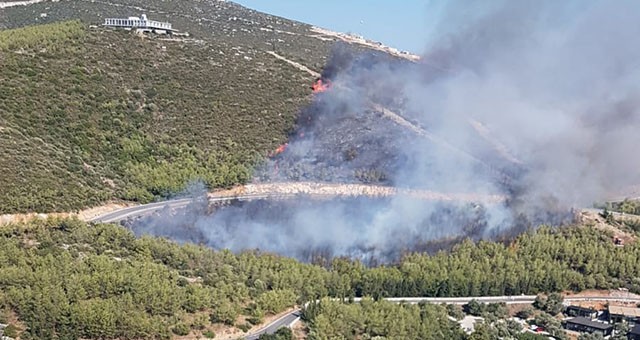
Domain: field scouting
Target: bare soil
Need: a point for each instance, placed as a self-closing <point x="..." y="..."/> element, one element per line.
<point x="300" y="331"/>
<point x="324" y="34"/>
<point x="85" y="215"/>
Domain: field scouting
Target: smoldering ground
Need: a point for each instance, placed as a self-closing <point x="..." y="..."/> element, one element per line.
<point x="369" y="229"/>
<point x="538" y="100"/>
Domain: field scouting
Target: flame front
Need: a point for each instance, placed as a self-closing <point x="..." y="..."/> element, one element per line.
<point x="279" y="150"/>
<point x="320" y="86"/>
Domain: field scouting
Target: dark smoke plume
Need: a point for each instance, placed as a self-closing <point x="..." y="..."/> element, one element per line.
<point x="536" y="100"/>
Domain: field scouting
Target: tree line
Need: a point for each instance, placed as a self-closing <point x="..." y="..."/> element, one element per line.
<point x="66" y="279"/>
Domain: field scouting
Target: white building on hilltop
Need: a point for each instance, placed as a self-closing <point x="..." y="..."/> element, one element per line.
<point x="141" y="24"/>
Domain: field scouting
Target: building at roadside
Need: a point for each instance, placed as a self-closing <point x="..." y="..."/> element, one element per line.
<point x="581" y="311"/>
<point x="586" y="325"/>
<point x="619" y="313"/>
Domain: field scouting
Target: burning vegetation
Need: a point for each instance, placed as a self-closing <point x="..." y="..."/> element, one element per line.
<point x="320" y="85"/>
<point x="339" y="141"/>
<point x="466" y="119"/>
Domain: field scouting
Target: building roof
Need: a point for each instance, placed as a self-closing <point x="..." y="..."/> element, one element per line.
<point x="626" y="311"/>
<point x="587" y="322"/>
<point x="580" y="308"/>
<point x="635" y="330"/>
<point x="137" y="22"/>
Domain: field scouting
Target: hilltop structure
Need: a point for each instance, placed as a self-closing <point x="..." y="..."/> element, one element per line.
<point x="141" y="24"/>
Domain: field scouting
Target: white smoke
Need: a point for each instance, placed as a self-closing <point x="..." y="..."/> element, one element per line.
<point x="556" y="82"/>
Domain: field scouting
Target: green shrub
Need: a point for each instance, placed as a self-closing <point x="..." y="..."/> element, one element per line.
<point x="245" y="327"/>
<point x="181" y="329"/>
<point x="11" y="331"/>
<point x="255" y="320"/>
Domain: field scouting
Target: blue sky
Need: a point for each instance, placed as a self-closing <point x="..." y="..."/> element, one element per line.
<point x="399" y="24"/>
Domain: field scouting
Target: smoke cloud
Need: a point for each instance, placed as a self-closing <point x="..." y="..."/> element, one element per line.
<point x="537" y="100"/>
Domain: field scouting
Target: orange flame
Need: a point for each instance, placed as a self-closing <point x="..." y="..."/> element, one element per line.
<point x="279" y="150"/>
<point x="320" y="86"/>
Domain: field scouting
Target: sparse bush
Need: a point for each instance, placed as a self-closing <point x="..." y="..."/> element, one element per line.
<point x="370" y="176"/>
<point x="181" y="329"/>
<point x="474" y="308"/>
<point x="455" y="311"/>
<point x="254" y="320"/>
<point x="245" y="327"/>
<point x="11" y="331"/>
<point x="283" y="333"/>
<point x="525" y="313"/>
<point x="551" y="304"/>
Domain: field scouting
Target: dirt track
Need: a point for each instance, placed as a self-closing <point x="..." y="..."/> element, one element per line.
<point x="18" y="3"/>
<point x="353" y="190"/>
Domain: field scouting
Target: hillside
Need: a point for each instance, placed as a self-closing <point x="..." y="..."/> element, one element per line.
<point x="91" y="115"/>
<point x="88" y="115"/>
<point x="223" y="23"/>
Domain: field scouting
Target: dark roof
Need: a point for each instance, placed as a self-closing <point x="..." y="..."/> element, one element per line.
<point x="587" y="322"/>
<point x="635" y="330"/>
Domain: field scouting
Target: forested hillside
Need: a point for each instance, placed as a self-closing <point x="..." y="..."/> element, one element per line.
<point x="370" y="319"/>
<point x="66" y="279"/>
<point x="89" y="115"/>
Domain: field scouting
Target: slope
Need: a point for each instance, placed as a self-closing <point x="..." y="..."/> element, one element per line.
<point x="89" y="115"/>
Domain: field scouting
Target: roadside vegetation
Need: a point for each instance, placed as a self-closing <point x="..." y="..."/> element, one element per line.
<point x="91" y="115"/>
<point x="627" y="206"/>
<point x="62" y="278"/>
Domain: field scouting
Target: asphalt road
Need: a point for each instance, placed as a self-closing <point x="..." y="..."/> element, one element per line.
<point x="287" y="320"/>
<point x="513" y="299"/>
<point x="122" y="214"/>
<point x="139" y="210"/>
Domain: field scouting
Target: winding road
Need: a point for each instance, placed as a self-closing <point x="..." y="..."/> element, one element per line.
<point x="123" y="214"/>
<point x="292" y="189"/>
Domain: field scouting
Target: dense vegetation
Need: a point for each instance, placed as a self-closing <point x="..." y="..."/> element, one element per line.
<point x="546" y="260"/>
<point x="66" y="279"/>
<point x="369" y="319"/>
<point x="90" y="115"/>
